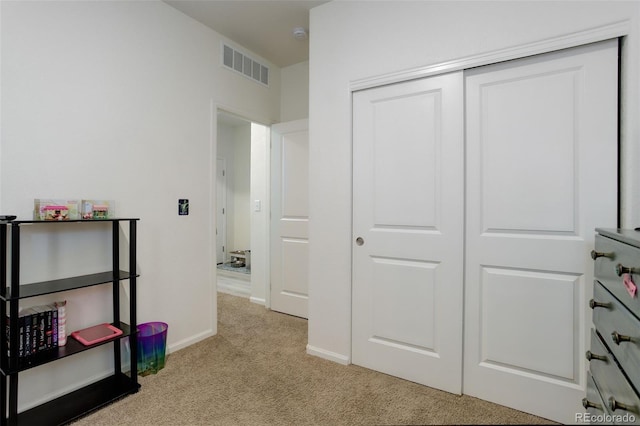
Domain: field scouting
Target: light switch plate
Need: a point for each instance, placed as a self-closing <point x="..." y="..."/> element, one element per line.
<point x="183" y="207"/>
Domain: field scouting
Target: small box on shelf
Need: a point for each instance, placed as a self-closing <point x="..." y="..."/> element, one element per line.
<point x="56" y="209"/>
<point x="56" y="213"/>
<point x="98" y="209"/>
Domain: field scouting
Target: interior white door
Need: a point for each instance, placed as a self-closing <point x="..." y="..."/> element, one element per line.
<point x="221" y="209"/>
<point x="408" y="230"/>
<point x="290" y="217"/>
<point x="541" y="175"/>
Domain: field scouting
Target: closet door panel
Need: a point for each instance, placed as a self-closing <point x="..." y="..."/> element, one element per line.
<point x="408" y="226"/>
<point x="528" y="127"/>
<point x="504" y="344"/>
<point x="541" y="176"/>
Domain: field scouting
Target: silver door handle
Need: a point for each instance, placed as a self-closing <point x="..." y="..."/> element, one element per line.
<point x="359" y="241"/>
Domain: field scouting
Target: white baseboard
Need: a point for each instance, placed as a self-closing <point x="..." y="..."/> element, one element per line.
<point x="234" y="289"/>
<point x="328" y="355"/>
<point x="189" y="341"/>
<point x="258" y="301"/>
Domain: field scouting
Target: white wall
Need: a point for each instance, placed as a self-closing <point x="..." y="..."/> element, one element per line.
<point x="260" y="178"/>
<point x="234" y="145"/>
<point x="294" y="102"/>
<point x="241" y="188"/>
<point x="358" y="40"/>
<point x="225" y="150"/>
<point x="118" y="100"/>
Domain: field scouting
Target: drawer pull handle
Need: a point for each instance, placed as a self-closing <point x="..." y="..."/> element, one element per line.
<point x="617" y="338"/>
<point x="621" y="270"/>
<point x="614" y="405"/>
<point x="588" y="404"/>
<point x="590" y="355"/>
<point x="597" y="254"/>
<point x="593" y="304"/>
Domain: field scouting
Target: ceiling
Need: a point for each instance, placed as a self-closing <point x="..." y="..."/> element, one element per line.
<point x="265" y="27"/>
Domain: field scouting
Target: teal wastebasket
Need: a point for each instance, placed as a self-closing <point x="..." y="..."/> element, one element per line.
<point x="152" y="344"/>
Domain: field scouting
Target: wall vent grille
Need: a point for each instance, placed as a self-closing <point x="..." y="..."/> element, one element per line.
<point x="239" y="62"/>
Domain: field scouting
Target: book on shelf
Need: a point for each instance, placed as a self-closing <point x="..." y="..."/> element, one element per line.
<point x="37" y="330"/>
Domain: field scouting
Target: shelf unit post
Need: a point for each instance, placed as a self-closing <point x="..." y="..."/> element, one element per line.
<point x="116" y="291"/>
<point x="133" y="291"/>
<point x="3" y="314"/>
<point x="13" y="313"/>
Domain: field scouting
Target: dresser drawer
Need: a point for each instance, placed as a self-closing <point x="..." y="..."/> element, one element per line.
<point x="620" y="331"/>
<point x="611" y="382"/>
<point x="606" y="269"/>
<point x="594" y="404"/>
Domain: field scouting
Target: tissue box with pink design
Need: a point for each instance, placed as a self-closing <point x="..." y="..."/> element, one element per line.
<point x="97" y="209"/>
<point x="56" y="209"/>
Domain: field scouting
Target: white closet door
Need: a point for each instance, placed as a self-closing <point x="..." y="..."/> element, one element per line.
<point x="408" y="230"/>
<point x="541" y="175"/>
<point x="290" y="217"/>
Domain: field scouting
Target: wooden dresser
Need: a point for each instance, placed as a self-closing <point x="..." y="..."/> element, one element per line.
<point x="614" y="354"/>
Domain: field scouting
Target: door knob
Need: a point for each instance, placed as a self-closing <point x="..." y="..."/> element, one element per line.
<point x="359" y="241"/>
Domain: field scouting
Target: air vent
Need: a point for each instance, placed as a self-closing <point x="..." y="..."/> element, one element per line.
<point x="239" y="62"/>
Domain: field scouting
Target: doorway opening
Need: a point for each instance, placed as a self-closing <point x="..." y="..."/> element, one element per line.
<point x="241" y="199"/>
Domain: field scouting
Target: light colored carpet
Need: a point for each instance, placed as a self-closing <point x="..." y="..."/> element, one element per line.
<point x="256" y="372"/>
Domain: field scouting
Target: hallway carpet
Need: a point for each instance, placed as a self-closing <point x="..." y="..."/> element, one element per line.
<point x="255" y="371"/>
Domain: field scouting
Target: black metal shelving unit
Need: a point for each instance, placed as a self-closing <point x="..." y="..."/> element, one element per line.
<point x="80" y="402"/>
